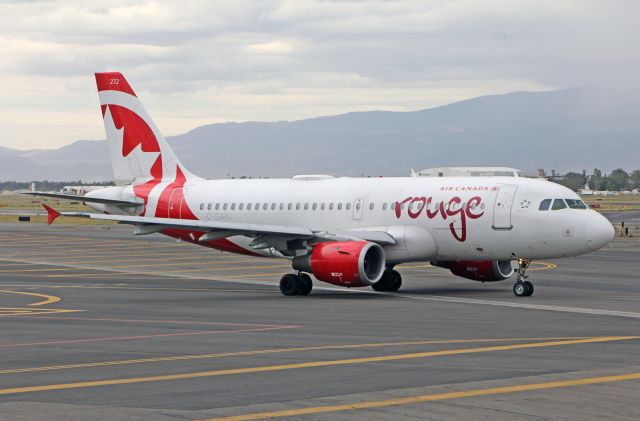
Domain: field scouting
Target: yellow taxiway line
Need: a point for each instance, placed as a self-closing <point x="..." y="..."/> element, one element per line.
<point x="271" y="351"/>
<point x="311" y="364"/>
<point x="431" y="397"/>
<point x="48" y="299"/>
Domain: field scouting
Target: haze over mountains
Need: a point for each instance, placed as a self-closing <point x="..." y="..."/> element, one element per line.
<point x="565" y="130"/>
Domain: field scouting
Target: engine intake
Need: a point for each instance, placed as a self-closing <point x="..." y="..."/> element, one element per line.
<point x="479" y="270"/>
<point x="344" y="263"/>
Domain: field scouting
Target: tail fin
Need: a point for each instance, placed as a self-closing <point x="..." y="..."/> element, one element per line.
<point x="138" y="150"/>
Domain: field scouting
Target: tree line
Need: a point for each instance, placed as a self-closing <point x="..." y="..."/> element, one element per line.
<point x="618" y="180"/>
<point x="47" y="185"/>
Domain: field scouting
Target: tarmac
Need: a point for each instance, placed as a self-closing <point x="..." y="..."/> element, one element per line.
<point x="99" y="324"/>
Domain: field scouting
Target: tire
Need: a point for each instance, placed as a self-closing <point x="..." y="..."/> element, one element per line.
<point x="305" y="283"/>
<point x="290" y="284"/>
<point x="396" y="280"/>
<point x="520" y="289"/>
<point x="383" y="284"/>
<point x="529" y="286"/>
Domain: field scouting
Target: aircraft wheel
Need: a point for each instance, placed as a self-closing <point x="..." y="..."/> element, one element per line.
<point x="396" y="280"/>
<point x="520" y="289"/>
<point x="384" y="284"/>
<point x="529" y="286"/>
<point x="305" y="283"/>
<point x="290" y="284"/>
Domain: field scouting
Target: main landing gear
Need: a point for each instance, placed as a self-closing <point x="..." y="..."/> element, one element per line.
<point x="391" y="281"/>
<point x="292" y="284"/>
<point x="522" y="287"/>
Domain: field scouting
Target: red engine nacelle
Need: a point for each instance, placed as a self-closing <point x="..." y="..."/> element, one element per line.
<point x="344" y="263"/>
<point x="479" y="270"/>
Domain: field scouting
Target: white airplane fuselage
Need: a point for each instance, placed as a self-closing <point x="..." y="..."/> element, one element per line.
<point x="443" y="218"/>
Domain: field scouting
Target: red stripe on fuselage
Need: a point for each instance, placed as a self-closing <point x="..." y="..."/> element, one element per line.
<point x="144" y="190"/>
<point x="173" y="194"/>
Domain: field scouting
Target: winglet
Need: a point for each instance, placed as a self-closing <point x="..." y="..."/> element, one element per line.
<point x="52" y="214"/>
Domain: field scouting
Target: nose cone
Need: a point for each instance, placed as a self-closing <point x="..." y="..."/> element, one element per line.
<point x="599" y="232"/>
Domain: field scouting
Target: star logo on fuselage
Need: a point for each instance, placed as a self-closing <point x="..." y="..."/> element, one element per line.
<point x="525" y="204"/>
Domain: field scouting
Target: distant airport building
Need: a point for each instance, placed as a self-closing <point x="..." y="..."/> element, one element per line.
<point x="587" y="191"/>
<point x="467" y="172"/>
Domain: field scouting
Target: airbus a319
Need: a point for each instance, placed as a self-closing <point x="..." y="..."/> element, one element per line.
<point x="350" y="232"/>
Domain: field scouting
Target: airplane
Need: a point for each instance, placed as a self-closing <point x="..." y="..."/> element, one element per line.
<point x="349" y="232"/>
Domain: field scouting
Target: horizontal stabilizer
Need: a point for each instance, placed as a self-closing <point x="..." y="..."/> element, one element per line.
<point x="52" y="214"/>
<point x="120" y="203"/>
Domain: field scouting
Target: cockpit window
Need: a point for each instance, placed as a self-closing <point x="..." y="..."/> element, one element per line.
<point x="558" y="204"/>
<point x="575" y="204"/>
<point x="544" y="205"/>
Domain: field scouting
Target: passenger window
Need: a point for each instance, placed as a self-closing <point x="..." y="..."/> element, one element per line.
<point x="248" y="206"/>
<point x="224" y="207"/>
<point x="289" y="206"/>
<point x="544" y="205"/>
<point x="315" y="206"/>
<point x="257" y="206"/>
<point x="331" y="206"/>
<point x="358" y="206"/>
<point x="306" y="206"/>
<point x="558" y="204"/>
<point x="322" y="206"/>
<point x="201" y="206"/>
<point x="371" y="206"/>
<point x="297" y="206"/>
<point x="575" y="204"/>
<point x="384" y="206"/>
<point x="273" y="206"/>
<point x="348" y="207"/>
<point x="217" y="206"/>
<point x="233" y="206"/>
<point x="209" y="206"/>
<point x="339" y="206"/>
<point x="281" y="206"/>
<point x="240" y="206"/>
<point x="265" y="206"/>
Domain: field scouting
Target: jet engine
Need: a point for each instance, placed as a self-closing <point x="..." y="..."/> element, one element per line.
<point x="479" y="270"/>
<point x="344" y="263"/>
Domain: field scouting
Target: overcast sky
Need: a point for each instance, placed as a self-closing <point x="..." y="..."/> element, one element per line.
<point x="198" y="62"/>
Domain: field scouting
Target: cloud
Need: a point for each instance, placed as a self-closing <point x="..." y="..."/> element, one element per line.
<point x="195" y="62"/>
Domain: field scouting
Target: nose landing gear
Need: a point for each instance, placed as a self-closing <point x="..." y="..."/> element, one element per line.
<point x="522" y="287"/>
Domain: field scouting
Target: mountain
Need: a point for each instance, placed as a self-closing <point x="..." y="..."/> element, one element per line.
<point x="570" y="129"/>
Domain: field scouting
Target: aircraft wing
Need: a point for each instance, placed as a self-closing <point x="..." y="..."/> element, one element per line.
<point x="235" y="228"/>
<point x="121" y="203"/>
<point x="266" y="235"/>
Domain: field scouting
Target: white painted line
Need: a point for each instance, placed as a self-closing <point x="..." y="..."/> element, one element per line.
<point x="563" y="309"/>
